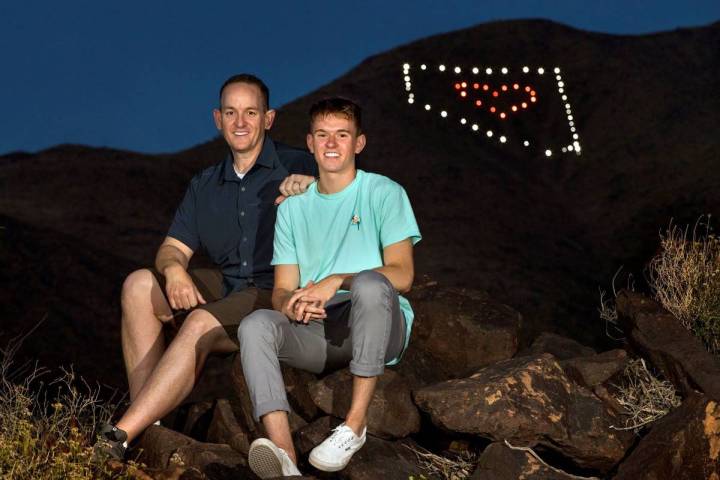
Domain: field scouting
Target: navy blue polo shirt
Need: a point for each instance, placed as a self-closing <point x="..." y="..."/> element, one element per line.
<point x="233" y="219"/>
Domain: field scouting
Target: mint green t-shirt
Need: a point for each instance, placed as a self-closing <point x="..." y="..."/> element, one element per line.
<point x="345" y="232"/>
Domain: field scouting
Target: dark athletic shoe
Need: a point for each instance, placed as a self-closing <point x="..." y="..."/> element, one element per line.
<point x="109" y="445"/>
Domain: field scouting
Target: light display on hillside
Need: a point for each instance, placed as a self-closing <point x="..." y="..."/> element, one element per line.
<point x="521" y="106"/>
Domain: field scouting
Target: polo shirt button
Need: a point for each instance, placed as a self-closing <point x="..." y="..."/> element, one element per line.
<point x="242" y="214"/>
<point x="242" y="189"/>
<point x="244" y="239"/>
<point x="244" y="264"/>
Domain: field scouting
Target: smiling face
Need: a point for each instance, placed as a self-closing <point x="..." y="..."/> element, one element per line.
<point x="242" y="118"/>
<point x="334" y="140"/>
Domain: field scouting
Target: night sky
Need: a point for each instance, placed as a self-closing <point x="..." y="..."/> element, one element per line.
<point x="144" y="76"/>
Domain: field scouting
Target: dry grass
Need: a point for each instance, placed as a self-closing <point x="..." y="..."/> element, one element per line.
<point x="644" y="397"/>
<point x="685" y="278"/>
<point x="49" y="438"/>
<point x="456" y="467"/>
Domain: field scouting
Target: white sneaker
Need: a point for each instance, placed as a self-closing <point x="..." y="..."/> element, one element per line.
<point x="334" y="452"/>
<point x="268" y="460"/>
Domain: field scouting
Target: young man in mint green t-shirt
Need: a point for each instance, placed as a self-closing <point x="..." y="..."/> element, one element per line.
<point x="342" y="252"/>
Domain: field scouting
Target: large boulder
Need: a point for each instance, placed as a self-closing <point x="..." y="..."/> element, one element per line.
<point x="455" y="332"/>
<point x="683" y="445"/>
<point x="660" y="337"/>
<point x="529" y="401"/>
<point x="392" y="413"/>
<point x="500" y="462"/>
<point x="560" y="347"/>
<point x="162" y="448"/>
<point x="296" y="385"/>
<point x="595" y="369"/>
<point x="377" y="459"/>
<point x="224" y="428"/>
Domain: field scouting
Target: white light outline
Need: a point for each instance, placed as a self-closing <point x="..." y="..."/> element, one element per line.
<point x="574" y="147"/>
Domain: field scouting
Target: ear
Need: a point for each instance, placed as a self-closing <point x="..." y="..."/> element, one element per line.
<point x="309" y="140"/>
<point x="217" y="116"/>
<point x="269" y="119"/>
<point x="361" y="140"/>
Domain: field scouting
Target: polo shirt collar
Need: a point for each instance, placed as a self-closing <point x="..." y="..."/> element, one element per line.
<point x="268" y="158"/>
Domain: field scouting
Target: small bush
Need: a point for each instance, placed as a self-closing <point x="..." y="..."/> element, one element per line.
<point x="644" y="397"/>
<point x="43" y="438"/>
<point x="685" y="278"/>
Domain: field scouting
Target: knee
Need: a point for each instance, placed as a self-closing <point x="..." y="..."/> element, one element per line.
<point x="258" y="326"/>
<point x="371" y="286"/>
<point x="198" y="323"/>
<point x="137" y="285"/>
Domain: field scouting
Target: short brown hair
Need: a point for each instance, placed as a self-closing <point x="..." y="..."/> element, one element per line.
<point x="337" y="106"/>
<point x="249" y="79"/>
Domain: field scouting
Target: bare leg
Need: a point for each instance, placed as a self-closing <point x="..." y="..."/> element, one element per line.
<point x="363" y="389"/>
<point x="144" y="309"/>
<point x="278" y="430"/>
<point x="174" y="376"/>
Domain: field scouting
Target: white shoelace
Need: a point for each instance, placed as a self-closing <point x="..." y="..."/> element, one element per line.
<point x="342" y="436"/>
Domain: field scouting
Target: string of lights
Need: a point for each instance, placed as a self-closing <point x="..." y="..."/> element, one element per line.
<point x="485" y="95"/>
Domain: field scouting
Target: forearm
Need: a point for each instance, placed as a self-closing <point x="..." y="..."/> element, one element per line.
<point x="169" y="257"/>
<point x="280" y="298"/>
<point x="400" y="277"/>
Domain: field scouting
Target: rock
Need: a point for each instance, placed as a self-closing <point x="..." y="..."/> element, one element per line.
<point x="529" y="401"/>
<point x="685" y="444"/>
<point x="312" y="434"/>
<point x="392" y="413"/>
<point x="158" y="444"/>
<point x="224" y="428"/>
<point x="378" y="459"/>
<point x="560" y="347"/>
<point x="595" y="369"/>
<point x="296" y="385"/>
<point x="455" y="332"/>
<point x="245" y="413"/>
<point x="660" y="337"/>
<point x="214" y="379"/>
<point x="499" y="462"/>
<point x="162" y="448"/>
<point x="198" y="419"/>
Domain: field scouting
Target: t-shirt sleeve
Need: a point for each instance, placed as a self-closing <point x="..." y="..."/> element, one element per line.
<point x="397" y="220"/>
<point x="184" y="225"/>
<point x="284" y="252"/>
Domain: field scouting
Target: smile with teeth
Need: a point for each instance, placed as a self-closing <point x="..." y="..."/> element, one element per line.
<point x="332" y="154"/>
<point x="240" y="133"/>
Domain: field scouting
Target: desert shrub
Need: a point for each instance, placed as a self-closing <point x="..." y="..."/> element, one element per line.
<point x="685" y="279"/>
<point x="644" y="397"/>
<point x="453" y="466"/>
<point x="49" y="436"/>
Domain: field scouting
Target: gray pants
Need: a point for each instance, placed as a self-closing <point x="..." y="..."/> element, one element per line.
<point x="364" y="328"/>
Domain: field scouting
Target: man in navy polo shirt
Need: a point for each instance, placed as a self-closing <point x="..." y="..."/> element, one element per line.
<point x="229" y="211"/>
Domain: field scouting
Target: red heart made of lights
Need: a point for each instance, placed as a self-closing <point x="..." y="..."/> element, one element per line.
<point x="507" y="99"/>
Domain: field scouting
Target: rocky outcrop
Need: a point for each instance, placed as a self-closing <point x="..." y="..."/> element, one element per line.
<point x="499" y="462"/>
<point x="224" y="428"/>
<point x="378" y="459"/>
<point x="659" y="337"/>
<point x="595" y="369"/>
<point x="560" y="347"/>
<point x="684" y="445"/>
<point x="455" y="332"/>
<point x="392" y="413"/>
<point x="529" y="401"/>
<point x="162" y="448"/>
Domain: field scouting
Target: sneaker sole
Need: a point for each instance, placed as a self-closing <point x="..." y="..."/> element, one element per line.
<point x="326" y="467"/>
<point x="264" y="462"/>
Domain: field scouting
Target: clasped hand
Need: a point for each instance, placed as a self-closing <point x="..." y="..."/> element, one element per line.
<point x="308" y="303"/>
